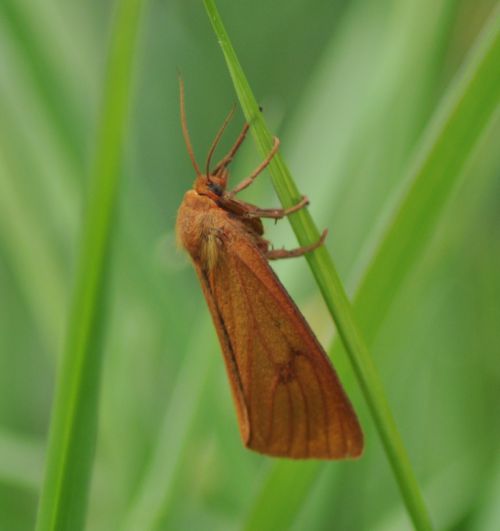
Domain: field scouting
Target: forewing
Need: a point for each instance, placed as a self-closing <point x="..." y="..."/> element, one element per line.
<point x="290" y="402"/>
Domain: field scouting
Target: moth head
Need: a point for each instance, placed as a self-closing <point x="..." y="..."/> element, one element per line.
<point x="213" y="186"/>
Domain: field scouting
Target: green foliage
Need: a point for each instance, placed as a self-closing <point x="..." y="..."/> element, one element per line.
<point x="368" y="98"/>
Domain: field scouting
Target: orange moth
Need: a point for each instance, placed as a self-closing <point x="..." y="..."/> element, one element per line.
<point x="289" y="400"/>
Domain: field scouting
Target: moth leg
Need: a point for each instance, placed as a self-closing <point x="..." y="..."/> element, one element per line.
<point x="276" y="254"/>
<point x="232" y="152"/>
<point x="274" y="213"/>
<point x="245" y="183"/>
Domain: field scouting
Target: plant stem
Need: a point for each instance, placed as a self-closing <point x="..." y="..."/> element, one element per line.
<point x="65" y="491"/>
<point x="330" y="285"/>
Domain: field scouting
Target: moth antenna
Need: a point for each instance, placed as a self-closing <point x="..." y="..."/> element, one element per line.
<point x="217" y="138"/>
<point x="185" y="131"/>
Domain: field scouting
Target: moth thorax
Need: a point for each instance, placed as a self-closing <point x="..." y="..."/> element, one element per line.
<point x="210" y="250"/>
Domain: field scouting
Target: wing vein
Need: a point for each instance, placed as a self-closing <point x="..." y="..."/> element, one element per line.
<point x="271" y="416"/>
<point x="323" y="400"/>
<point x="290" y="423"/>
<point x="256" y="327"/>
<point x="306" y="414"/>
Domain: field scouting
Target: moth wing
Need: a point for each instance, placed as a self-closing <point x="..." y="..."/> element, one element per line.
<point x="289" y="400"/>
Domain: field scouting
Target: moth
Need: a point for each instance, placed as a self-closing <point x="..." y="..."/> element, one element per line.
<point x="288" y="398"/>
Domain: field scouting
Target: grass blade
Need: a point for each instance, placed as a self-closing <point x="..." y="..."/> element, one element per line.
<point x="330" y="286"/>
<point x="22" y="21"/>
<point x="451" y="138"/>
<point x="72" y="438"/>
<point x="151" y="504"/>
<point x="40" y="280"/>
<point x="461" y="120"/>
<point x="21" y="460"/>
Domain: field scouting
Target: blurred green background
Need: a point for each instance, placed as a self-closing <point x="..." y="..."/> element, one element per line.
<point x="349" y="86"/>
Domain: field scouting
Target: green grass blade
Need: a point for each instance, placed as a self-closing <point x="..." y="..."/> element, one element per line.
<point x="21" y="460"/>
<point x="489" y="513"/>
<point x="451" y="138"/>
<point x="459" y="124"/>
<point x="72" y="438"/>
<point x="273" y="510"/>
<point x="330" y="286"/>
<point x="22" y="21"/>
<point x="40" y="280"/>
<point x="152" y="502"/>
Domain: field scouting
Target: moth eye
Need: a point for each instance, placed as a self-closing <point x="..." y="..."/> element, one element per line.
<point x="215" y="188"/>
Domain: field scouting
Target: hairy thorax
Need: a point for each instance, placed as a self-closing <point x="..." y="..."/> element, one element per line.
<point x="202" y="227"/>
